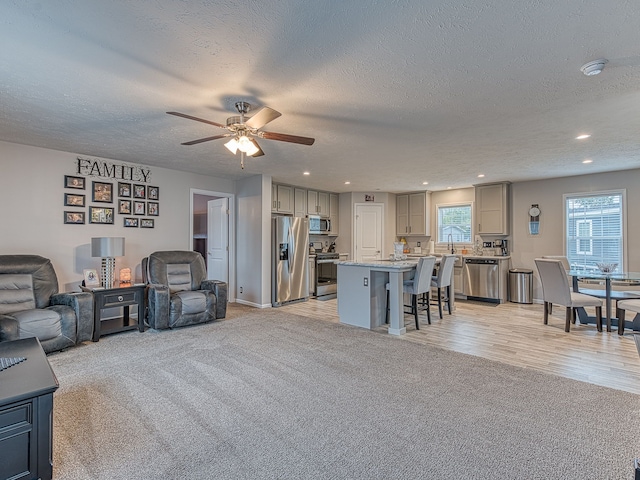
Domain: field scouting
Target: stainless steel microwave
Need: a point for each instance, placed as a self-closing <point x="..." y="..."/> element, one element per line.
<point x="319" y="225"/>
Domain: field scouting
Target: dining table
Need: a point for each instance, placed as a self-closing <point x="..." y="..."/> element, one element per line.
<point x="629" y="279"/>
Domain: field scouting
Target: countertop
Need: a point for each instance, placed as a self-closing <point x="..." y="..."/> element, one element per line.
<point x="395" y="264"/>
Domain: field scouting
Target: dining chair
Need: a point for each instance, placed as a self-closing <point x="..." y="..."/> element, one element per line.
<point x="622" y="307"/>
<point x="556" y="289"/>
<point x="443" y="280"/>
<point x="418" y="285"/>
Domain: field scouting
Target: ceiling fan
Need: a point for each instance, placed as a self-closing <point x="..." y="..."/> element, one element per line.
<point x="242" y="130"/>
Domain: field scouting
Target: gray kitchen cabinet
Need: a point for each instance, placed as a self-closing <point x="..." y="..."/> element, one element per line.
<point x="282" y="199"/>
<point x="333" y="213"/>
<point x="318" y="203"/>
<point x="492" y="209"/>
<point x="413" y="214"/>
<point x="299" y="202"/>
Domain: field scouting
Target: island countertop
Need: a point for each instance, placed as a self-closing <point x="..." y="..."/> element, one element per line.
<point x="394" y="264"/>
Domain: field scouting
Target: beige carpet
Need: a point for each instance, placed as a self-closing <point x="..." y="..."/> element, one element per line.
<point x="266" y="395"/>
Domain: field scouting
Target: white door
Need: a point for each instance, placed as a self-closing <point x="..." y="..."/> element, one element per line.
<point x="218" y="239"/>
<point x="368" y="234"/>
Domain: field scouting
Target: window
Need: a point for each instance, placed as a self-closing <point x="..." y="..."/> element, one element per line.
<point x="594" y="229"/>
<point x="454" y="220"/>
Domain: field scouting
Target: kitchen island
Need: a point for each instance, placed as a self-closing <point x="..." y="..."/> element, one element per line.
<point x="362" y="293"/>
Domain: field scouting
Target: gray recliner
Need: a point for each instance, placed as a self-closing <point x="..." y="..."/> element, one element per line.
<point x="178" y="293"/>
<point x="30" y="305"/>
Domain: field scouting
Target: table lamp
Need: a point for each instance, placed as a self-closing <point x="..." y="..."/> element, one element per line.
<point x="108" y="248"/>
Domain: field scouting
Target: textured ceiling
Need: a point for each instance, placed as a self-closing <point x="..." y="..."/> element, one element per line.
<point x="395" y="92"/>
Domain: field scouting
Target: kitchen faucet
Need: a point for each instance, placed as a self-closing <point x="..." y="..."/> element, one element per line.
<point x="450" y="243"/>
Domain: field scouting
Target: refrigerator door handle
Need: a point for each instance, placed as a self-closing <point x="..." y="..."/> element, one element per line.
<point x="292" y="250"/>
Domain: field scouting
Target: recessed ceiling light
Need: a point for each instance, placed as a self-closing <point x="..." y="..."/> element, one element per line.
<point x="425" y="183"/>
<point x="481" y="175"/>
<point x="594" y="67"/>
<point x="448" y="188"/>
<point x="582" y="137"/>
<point x="587" y="161"/>
<point x="306" y="173"/>
<point x="347" y="183"/>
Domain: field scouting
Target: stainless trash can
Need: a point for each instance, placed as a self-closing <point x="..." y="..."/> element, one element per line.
<point x="521" y="285"/>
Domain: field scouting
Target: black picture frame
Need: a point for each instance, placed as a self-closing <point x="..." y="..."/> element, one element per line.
<point x="153" y="193"/>
<point x="124" y="207"/>
<point x="74" y="182"/>
<point x="130" y="222"/>
<point x="101" y="215"/>
<point x="153" y="209"/>
<point x="74" y="200"/>
<point x="74" y="218"/>
<point x="147" y="223"/>
<point x="124" y="189"/>
<point x="139" y="191"/>
<point x="139" y="208"/>
<point x="102" y="192"/>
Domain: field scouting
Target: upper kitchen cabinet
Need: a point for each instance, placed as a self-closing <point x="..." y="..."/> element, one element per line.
<point x="299" y="202"/>
<point x="282" y="199"/>
<point x="492" y="209"/>
<point x="318" y="203"/>
<point x="333" y="213"/>
<point x="413" y="214"/>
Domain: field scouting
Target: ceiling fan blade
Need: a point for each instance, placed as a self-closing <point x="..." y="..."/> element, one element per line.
<point x="184" y="115"/>
<point x="259" y="153"/>
<point x="206" y="139"/>
<point x="262" y="117"/>
<point x="283" y="137"/>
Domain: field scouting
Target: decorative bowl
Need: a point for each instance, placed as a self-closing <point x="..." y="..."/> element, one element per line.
<point x="607" y="267"/>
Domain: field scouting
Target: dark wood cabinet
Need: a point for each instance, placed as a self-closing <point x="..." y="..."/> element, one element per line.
<point x="26" y="412"/>
<point x="118" y="297"/>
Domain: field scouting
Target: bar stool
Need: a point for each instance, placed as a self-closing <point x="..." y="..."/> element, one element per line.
<point x="419" y="284"/>
<point x="443" y="280"/>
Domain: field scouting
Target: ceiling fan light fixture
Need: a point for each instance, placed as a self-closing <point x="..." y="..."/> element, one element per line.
<point x="594" y="67"/>
<point x="232" y="145"/>
<point x="247" y="146"/>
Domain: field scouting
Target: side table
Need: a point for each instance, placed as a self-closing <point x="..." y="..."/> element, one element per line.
<point x="26" y="412"/>
<point x="125" y="297"/>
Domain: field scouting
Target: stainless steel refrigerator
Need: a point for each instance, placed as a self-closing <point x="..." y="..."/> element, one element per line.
<point x="290" y="265"/>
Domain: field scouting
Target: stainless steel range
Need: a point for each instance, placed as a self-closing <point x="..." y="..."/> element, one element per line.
<point x="326" y="274"/>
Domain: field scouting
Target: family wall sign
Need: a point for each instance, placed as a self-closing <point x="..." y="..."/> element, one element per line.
<point x="100" y="168"/>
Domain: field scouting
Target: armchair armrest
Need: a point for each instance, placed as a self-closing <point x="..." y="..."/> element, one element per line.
<point x="8" y="328"/>
<point x="82" y="304"/>
<point x="157" y="306"/>
<point x="219" y="288"/>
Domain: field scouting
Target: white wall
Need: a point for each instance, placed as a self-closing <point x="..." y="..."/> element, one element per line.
<point x="32" y="198"/>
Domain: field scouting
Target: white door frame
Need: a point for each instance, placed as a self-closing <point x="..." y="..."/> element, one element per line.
<point x="231" y="287"/>
<point x="354" y="246"/>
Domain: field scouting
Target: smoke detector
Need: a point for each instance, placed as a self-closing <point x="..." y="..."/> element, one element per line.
<point x="594" y="67"/>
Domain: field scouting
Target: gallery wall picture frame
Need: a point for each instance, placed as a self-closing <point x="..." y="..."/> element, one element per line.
<point x="102" y="192"/>
<point x="139" y="191"/>
<point x="72" y="218"/>
<point x="124" y="189"/>
<point x="146" y="223"/>
<point x="124" y="207"/>
<point x="74" y="182"/>
<point x="153" y="209"/>
<point x="153" y="193"/>
<point x="91" y="278"/>
<point x="102" y="215"/>
<point x="131" y="222"/>
<point x="74" y="200"/>
<point x="139" y="208"/>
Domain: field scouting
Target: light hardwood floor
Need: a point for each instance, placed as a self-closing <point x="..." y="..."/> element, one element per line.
<point x="514" y="334"/>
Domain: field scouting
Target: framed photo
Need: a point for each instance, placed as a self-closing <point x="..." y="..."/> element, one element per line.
<point x="73" y="200"/>
<point x="131" y="222"/>
<point x="139" y="191"/>
<point x="153" y="209"/>
<point x="124" y="207"/>
<point x="153" y="193"/>
<point x="101" y="215"/>
<point x="124" y="189"/>
<point x="146" y="223"/>
<point x="138" y="208"/>
<point x="102" y="192"/>
<point x="74" y="217"/>
<point x="74" y="182"/>
<point x="91" y="278"/>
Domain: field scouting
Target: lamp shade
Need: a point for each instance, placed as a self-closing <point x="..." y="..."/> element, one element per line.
<point x="107" y="247"/>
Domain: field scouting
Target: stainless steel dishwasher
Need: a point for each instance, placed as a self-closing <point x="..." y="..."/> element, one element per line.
<point x="483" y="279"/>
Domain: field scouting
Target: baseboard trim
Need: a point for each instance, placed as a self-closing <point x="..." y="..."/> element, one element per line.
<point x="252" y="304"/>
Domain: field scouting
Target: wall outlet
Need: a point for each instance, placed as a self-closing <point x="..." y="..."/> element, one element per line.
<point x="240" y="289"/>
<point x="366" y="282"/>
<point x="418" y="244"/>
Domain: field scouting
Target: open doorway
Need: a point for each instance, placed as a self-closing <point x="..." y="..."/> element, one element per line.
<point x="212" y="234"/>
